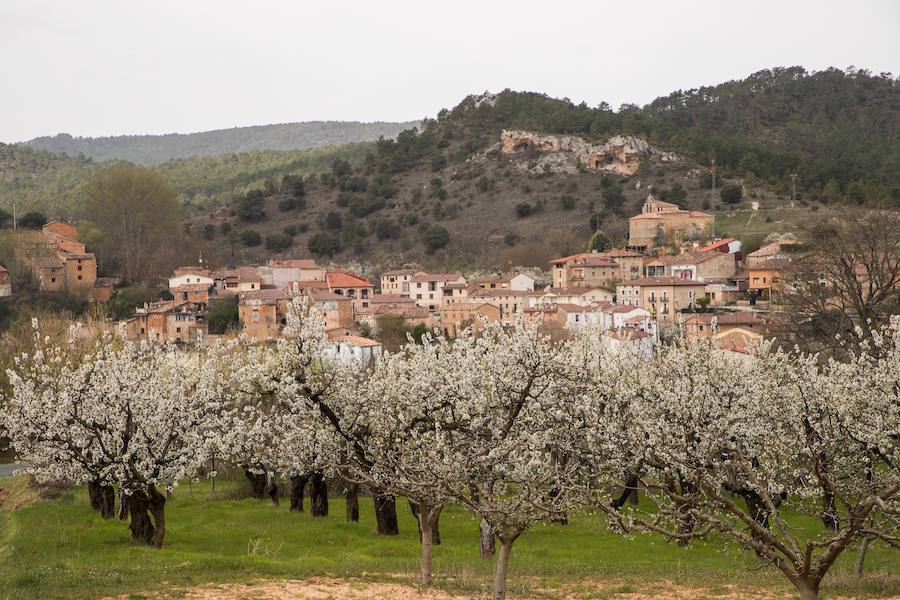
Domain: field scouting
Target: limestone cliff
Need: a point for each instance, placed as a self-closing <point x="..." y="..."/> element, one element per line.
<point x="568" y="154"/>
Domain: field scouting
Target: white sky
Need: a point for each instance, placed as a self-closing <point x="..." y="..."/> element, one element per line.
<point x="91" y="67"/>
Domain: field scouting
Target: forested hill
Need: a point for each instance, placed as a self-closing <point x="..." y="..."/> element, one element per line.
<point x="155" y="149"/>
<point x="837" y="130"/>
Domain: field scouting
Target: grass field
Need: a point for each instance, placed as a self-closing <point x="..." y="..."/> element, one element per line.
<point x="752" y="226"/>
<point x="61" y="549"/>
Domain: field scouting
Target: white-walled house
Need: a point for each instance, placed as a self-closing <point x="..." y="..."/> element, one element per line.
<point x="355" y="350"/>
<point x="190" y="275"/>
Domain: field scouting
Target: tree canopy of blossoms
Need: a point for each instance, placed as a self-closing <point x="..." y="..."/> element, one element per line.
<point x="131" y="414"/>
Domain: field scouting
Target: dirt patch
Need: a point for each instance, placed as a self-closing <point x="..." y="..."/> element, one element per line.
<point x="16" y="492"/>
<point x="322" y="588"/>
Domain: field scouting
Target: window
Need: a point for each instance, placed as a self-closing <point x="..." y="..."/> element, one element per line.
<point x="365" y="293"/>
<point x="79" y="266"/>
<point x="142" y="331"/>
<point x="418" y="285"/>
<point x="79" y="278"/>
<point x="178" y="330"/>
<point x="418" y="296"/>
<point x="53" y="280"/>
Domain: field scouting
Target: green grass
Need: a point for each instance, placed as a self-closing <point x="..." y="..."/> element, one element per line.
<point x="751" y="227"/>
<point x="61" y="549"/>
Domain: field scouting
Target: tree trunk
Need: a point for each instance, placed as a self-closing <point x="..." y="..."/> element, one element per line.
<point x="141" y="526"/>
<point x="808" y="590"/>
<point x="158" y="510"/>
<point x="829" y="511"/>
<point x="123" y="505"/>
<point x="257" y="483"/>
<point x="353" y="503"/>
<point x="487" y="539"/>
<point x="426" y="538"/>
<point x="272" y="488"/>
<point x="298" y="485"/>
<point x="435" y="527"/>
<point x="557" y="518"/>
<point x="318" y="496"/>
<point x="103" y="498"/>
<point x="502" y="568"/>
<point x="386" y="514"/>
<point x="861" y="558"/>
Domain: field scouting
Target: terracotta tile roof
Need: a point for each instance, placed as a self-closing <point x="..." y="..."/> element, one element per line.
<point x="569" y="291"/>
<point x="627" y="334"/>
<point x="309" y="284"/>
<point x="565" y="259"/>
<point x="192" y="270"/>
<point x="497" y="292"/>
<point x="714" y="245"/>
<point x="464" y="306"/>
<point x="662" y="281"/>
<point x="248" y="274"/>
<point x="456" y="286"/>
<point x="620" y="253"/>
<point x="621" y="308"/>
<point x="343" y="279"/>
<point x="594" y="260"/>
<point x="323" y="295"/>
<point x="357" y="341"/>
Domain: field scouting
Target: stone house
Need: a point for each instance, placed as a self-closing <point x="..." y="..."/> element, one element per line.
<point x="190" y="276"/>
<point x="396" y="281"/>
<point x="456" y="317"/>
<point x="60" y="262"/>
<point x="663" y="222"/>
<point x="506" y="281"/>
<point x="352" y="286"/>
<point x="355" y="350"/>
<point x="698" y="266"/>
<point x="427" y="289"/>
<point x="173" y="320"/>
<point x="574" y="295"/>
<point x="664" y="297"/>
<point x="509" y="302"/>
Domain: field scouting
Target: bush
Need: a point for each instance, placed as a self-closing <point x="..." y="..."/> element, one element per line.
<point x="250" y="207"/>
<point x="209" y="231"/>
<point x="222" y="315"/>
<point x="291" y="203"/>
<point x="731" y="194"/>
<point x="225" y="228"/>
<point x="32" y="220"/>
<point x="6" y="219"/>
<point x="291" y="230"/>
<point x="613" y="196"/>
<point x="435" y="237"/>
<point x="524" y="209"/>
<point x="333" y="221"/>
<point x="357" y="183"/>
<point x="343" y="199"/>
<point x="278" y="241"/>
<point x="250" y="238"/>
<point x="324" y="244"/>
<point x="438" y="162"/>
<point x="567" y="202"/>
<point x="386" y="229"/>
<point x="361" y="207"/>
<point x="511" y="239"/>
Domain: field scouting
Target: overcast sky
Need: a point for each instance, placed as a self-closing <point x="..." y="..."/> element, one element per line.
<point x="132" y="66"/>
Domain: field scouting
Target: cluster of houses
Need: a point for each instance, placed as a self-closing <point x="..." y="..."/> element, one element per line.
<point x="634" y="294"/>
<point x="60" y="263"/>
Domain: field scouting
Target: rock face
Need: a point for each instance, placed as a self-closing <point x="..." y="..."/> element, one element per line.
<point x="568" y="154"/>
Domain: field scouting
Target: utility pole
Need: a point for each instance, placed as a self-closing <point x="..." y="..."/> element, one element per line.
<point x="712" y="202"/>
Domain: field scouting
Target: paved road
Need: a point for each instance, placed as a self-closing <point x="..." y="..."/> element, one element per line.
<point x="7" y="470"/>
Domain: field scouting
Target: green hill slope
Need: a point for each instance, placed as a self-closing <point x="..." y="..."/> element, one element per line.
<point x="155" y="149"/>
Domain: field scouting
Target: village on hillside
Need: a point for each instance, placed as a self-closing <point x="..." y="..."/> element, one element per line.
<point x="671" y="274"/>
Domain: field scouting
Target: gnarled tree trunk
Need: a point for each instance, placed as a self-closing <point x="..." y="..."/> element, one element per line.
<point x="502" y="570"/>
<point x="298" y="485"/>
<point x="353" y="502"/>
<point x="386" y="514"/>
<point x="141" y="506"/>
<point x="272" y="488"/>
<point x="808" y="590"/>
<point x="427" y="518"/>
<point x="257" y="483"/>
<point x="829" y="511"/>
<point x="318" y="495"/>
<point x="103" y="498"/>
<point x="435" y="527"/>
<point x="486" y="534"/>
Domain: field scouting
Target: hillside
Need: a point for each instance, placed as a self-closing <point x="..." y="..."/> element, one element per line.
<point x="155" y="149"/>
<point x="448" y="196"/>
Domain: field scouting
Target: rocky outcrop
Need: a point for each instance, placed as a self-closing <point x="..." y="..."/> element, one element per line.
<point x="568" y="154"/>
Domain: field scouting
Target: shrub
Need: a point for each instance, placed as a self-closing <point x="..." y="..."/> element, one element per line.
<point x="524" y="209"/>
<point x="291" y="203"/>
<point x="387" y="229"/>
<point x="209" y="231"/>
<point x="435" y="237"/>
<point x="225" y="228"/>
<point x="567" y="202"/>
<point x="291" y="230"/>
<point x="333" y="221"/>
<point x="511" y="239"/>
<point x="324" y="244"/>
<point x="343" y="199"/>
<point x="361" y="207"/>
<point x="731" y="194"/>
<point x="357" y="183"/>
<point x="613" y="196"/>
<point x="278" y="241"/>
<point x="32" y="220"/>
<point x="250" y="238"/>
<point x="438" y="162"/>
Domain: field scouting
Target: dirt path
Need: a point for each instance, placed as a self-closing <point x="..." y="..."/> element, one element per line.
<point x="320" y="588"/>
